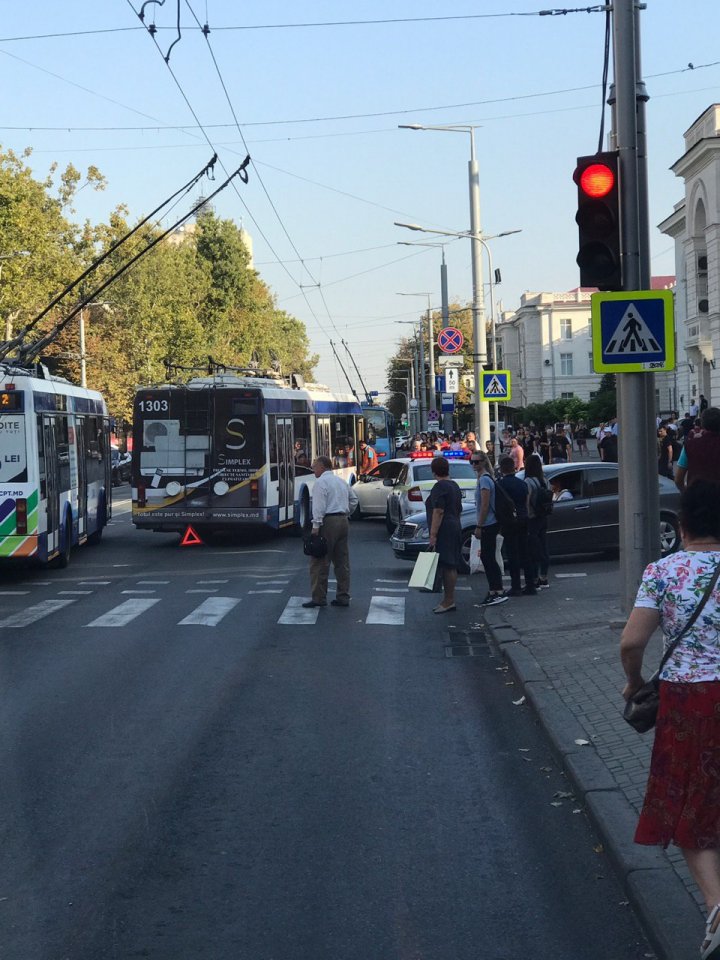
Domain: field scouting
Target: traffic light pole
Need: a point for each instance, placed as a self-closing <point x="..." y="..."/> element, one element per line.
<point x="639" y="496"/>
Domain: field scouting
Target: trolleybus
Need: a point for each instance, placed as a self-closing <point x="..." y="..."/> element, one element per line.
<point x="55" y="466"/>
<point x="228" y="450"/>
<point x="380" y="430"/>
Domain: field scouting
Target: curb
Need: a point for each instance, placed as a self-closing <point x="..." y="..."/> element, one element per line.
<point x="667" y="913"/>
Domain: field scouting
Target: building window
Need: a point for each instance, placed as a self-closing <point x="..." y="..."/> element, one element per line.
<point x="566" y="329"/>
<point x="566" y="364"/>
<point x="590" y="363"/>
<point x="567" y="396"/>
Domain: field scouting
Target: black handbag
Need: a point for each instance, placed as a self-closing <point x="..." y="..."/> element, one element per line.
<point x="641" y="709"/>
<point x="315" y="546"/>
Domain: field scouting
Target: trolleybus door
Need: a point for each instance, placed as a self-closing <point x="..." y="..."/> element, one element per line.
<point x="52" y="494"/>
<point x="80" y="447"/>
<point x="286" y="469"/>
<point x="323" y="437"/>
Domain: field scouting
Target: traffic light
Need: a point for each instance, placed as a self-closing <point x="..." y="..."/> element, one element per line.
<point x="598" y="220"/>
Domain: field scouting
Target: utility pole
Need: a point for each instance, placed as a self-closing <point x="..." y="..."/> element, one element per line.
<point x="639" y="492"/>
<point x="482" y="413"/>
<point x="83" y="361"/>
<point x="445" y="307"/>
<point x="432" y="393"/>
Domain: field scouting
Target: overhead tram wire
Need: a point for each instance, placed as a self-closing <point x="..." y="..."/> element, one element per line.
<point x="240" y="198"/>
<point x="33" y="349"/>
<point x="177" y="196"/>
<point x="327" y="23"/>
<point x="70" y="128"/>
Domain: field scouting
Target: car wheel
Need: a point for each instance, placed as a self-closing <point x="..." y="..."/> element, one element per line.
<point x="669" y="534"/>
<point x="389" y="522"/>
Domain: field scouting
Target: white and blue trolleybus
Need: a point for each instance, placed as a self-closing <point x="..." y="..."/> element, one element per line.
<point x="231" y="450"/>
<point x="55" y="465"/>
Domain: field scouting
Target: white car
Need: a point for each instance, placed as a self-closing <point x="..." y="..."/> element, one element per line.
<point x="413" y="485"/>
<point x="374" y="488"/>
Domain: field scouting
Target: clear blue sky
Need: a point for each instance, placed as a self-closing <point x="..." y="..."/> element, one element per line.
<point x="531" y="82"/>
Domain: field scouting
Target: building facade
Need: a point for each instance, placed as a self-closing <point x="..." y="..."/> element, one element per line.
<point x="547" y="346"/>
<point x="694" y="225"/>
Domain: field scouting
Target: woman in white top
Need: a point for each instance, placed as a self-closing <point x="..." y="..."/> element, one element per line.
<point x="682" y="800"/>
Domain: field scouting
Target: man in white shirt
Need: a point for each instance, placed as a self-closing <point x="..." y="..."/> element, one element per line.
<point x="333" y="500"/>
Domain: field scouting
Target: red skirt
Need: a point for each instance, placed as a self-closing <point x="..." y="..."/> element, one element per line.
<point x="682" y="799"/>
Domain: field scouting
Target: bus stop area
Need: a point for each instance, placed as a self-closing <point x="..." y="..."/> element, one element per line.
<point x="562" y="648"/>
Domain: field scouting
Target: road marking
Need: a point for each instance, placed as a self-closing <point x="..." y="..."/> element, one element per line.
<point x="94" y="583"/>
<point x="36" y="612"/>
<point x="207" y="581"/>
<point x="139" y="591"/>
<point x="391" y="581"/>
<point x="14" y="593"/>
<point x="204" y="590"/>
<point x="267" y="583"/>
<point x="210" y="612"/>
<point x="74" y="593"/>
<point x="463" y="588"/>
<point x="295" y="613"/>
<point x="36" y="583"/>
<point x="568" y="576"/>
<point x="122" y="564"/>
<point x="264" y="591"/>
<point x="150" y="583"/>
<point x="393" y="589"/>
<point x="123" y="613"/>
<point x="387" y="610"/>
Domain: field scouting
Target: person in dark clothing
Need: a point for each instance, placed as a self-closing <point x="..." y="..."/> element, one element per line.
<point x="516" y="535"/>
<point x="443" y="508"/>
<point x="560" y="446"/>
<point x="608" y="448"/>
<point x="537" y="522"/>
<point x="700" y="457"/>
<point x="665" y="451"/>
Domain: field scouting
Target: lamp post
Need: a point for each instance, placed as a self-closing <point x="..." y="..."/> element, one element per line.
<point x="3" y="257"/>
<point x="106" y="306"/>
<point x="481" y="241"/>
<point x="482" y="423"/>
<point x="411" y="392"/>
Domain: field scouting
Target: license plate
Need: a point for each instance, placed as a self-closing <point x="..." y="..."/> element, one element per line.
<point x="399" y="545"/>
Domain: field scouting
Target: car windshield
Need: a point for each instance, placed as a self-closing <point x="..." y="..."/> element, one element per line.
<point x="459" y="470"/>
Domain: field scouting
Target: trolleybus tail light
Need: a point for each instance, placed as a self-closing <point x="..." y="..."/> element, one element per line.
<point x="254" y="493"/>
<point x="415" y="494"/>
<point x="21" y="516"/>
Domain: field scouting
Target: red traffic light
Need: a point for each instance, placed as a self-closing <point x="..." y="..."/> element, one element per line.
<point x="597" y="180"/>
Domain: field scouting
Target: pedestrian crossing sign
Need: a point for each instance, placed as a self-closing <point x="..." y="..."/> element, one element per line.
<point x="495" y="386"/>
<point x="633" y="331"/>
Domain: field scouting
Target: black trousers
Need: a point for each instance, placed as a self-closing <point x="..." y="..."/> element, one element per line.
<point x="518" y="554"/>
<point x="537" y="544"/>
<point x="488" y="542"/>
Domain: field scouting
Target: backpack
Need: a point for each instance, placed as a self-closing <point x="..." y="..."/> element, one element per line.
<point x="543" y="501"/>
<point x="505" y="508"/>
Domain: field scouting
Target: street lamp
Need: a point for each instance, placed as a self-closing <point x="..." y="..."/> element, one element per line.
<point x="3" y="257"/>
<point x="482" y="240"/>
<point x="426" y="389"/>
<point x="482" y="422"/>
<point x="107" y="307"/>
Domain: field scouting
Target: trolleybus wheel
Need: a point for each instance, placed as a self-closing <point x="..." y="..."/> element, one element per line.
<point x="63" y="558"/>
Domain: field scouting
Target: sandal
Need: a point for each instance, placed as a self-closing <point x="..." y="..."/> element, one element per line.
<point x="441" y="609"/>
<point x="710" y="949"/>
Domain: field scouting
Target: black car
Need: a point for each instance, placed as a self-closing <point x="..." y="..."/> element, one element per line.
<point x="587" y="522"/>
<point x="121" y="467"/>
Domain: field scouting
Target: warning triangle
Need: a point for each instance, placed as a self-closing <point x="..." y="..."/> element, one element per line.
<point x="632" y="336"/>
<point x="495" y="389"/>
<point x="190" y="538"/>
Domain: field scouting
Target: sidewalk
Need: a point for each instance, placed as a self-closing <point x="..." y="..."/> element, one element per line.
<point x="563" y="648"/>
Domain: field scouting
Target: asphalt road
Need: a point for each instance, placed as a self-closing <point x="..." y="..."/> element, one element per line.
<point x="187" y="777"/>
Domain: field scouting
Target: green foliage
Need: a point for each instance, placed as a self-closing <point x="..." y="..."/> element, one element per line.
<point x="182" y="302"/>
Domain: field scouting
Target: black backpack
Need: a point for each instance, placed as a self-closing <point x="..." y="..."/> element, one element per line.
<point x="542" y="499"/>
<point x="505" y="507"/>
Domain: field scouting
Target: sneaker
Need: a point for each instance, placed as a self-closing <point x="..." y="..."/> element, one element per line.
<point x="515" y="592"/>
<point x="541" y="583"/>
<point x="492" y="599"/>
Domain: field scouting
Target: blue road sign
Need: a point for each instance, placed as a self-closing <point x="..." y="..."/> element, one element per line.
<point x="633" y="331"/>
<point x="439" y="384"/>
<point x="495" y="386"/>
<point x="448" y="403"/>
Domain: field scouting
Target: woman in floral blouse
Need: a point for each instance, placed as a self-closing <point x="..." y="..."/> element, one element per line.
<point x="682" y="800"/>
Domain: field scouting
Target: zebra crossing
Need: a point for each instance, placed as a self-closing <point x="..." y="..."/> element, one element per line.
<point x="386" y="605"/>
